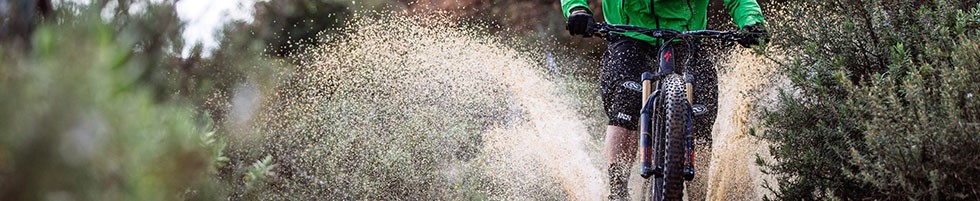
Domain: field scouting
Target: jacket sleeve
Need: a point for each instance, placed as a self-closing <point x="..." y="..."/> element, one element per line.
<point x="743" y="12"/>
<point x="568" y="5"/>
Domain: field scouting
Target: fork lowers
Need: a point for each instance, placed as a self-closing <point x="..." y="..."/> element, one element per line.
<point x="646" y="151"/>
<point x="689" y="147"/>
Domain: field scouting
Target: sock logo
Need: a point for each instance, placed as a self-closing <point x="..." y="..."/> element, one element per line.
<point x="623" y="116"/>
<point x="631" y="85"/>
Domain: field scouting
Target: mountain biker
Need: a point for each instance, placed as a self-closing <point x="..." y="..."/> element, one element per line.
<point x="631" y="54"/>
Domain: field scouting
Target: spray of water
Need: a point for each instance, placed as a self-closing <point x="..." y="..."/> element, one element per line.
<point x="745" y="83"/>
<point x="419" y="108"/>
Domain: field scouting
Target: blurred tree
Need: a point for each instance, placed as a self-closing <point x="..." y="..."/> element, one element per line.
<point x="82" y="121"/>
<point x="289" y="26"/>
<point x="106" y="78"/>
<point x="152" y="31"/>
<point x="18" y="19"/>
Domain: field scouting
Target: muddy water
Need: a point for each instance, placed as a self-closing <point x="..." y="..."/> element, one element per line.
<point x="745" y="82"/>
<point x="419" y="108"/>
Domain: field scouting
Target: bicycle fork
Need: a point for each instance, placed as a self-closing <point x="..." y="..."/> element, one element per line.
<point x="646" y="127"/>
<point x="649" y="121"/>
<point x="689" y="134"/>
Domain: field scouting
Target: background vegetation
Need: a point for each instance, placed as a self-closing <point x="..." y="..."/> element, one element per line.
<point x="87" y="115"/>
<point x="882" y="103"/>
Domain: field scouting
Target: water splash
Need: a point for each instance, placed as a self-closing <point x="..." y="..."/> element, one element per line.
<point x="420" y="108"/>
<point x="746" y="82"/>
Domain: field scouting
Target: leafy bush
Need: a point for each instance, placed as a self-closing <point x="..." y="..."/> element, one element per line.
<point x="78" y="124"/>
<point x="99" y="106"/>
<point x="883" y="101"/>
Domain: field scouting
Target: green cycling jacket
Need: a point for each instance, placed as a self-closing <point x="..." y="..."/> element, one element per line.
<point x="681" y="15"/>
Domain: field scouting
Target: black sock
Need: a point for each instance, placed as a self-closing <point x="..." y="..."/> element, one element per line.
<point x="619" y="175"/>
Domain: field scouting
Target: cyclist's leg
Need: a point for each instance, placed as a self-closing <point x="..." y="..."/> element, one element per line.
<point x="623" y="63"/>
<point x="620" y="147"/>
<point x="620" y="144"/>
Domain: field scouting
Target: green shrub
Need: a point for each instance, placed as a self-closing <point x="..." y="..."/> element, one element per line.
<point x="883" y="101"/>
<point x="77" y="122"/>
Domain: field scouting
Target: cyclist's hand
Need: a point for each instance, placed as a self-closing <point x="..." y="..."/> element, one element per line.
<point x="578" y="23"/>
<point x="753" y="35"/>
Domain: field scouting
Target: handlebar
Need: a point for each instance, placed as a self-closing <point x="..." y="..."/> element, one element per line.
<point x="604" y="29"/>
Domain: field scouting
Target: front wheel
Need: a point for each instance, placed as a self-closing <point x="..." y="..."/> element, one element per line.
<point x="671" y="157"/>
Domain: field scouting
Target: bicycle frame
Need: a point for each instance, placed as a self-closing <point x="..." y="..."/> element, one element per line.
<point x="652" y="88"/>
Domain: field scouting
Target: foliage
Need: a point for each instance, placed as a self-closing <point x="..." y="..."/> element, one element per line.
<point x="100" y="106"/>
<point x="78" y="124"/>
<point x="19" y="18"/>
<point x="882" y="103"/>
<point x="259" y="172"/>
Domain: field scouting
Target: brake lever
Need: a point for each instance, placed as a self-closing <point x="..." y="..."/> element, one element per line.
<point x="598" y="29"/>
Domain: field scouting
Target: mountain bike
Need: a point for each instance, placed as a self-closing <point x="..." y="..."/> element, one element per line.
<point x="666" y="118"/>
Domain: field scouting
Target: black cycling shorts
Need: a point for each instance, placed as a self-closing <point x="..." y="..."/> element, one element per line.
<point x="620" y="84"/>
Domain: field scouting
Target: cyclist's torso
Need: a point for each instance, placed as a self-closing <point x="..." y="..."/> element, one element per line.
<point x="681" y="15"/>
